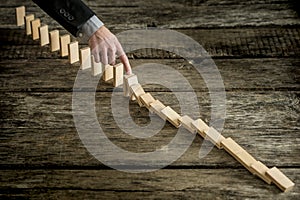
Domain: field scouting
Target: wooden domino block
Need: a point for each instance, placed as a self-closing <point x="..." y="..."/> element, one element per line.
<point x="73" y="48"/>
<point x="215" y="137"/>
<point x="279" y="179"/>
<point x="186" y="122"/>
<point x="44" y="34"/>
<point x="85" y="58"/>
<point x="20" y="14"/>
<point x="137" y="90"/>
<point x="238" y="153"/>
<point x="172" y="116"/>
<point x="96" y="67"/>
<point x="28" y="20"/>
<point x="201" y="127"/>
<point x="259" y="169"/>
<point x="64" y="41"/>
<point x="54" y="40"/>
<point x="35" y="24"/>
<point x="129" y="80"/>
<point x="156" y="107"/>
<point x="118" y="74"/>
<point x="147" y="99"/>
<point x="108" y="73"/>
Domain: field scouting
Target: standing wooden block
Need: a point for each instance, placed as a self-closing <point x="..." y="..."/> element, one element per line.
<point x="54" y="40"/>
<point x="20" y="14"/>
<point x="259" y="169"/>
<point x="129" y="80"/>
<point x="186" y="122"/>
<point x="108" y="73"/>
<point x="201" y="127"/>
<point x="44" y="34"/>
<point x="118" y="74"/>
<point x="28" y="20"/>
<point x="64" y="41"/>
<point x="73" y="48"/>
<point x="137" y="90"/>
<point x="35" y="24"/>
<point x="215" y="137"/>
<point x="147" y="99"/>
<point x="172" y="116"/>
<point x="96" y="67"/>
<point x="238" y="153"/>
<point x="277" y="177"/>
<point x="85" y="58"/>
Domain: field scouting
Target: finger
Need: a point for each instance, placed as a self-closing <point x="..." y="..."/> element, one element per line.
<point x="119" y="48"/>
<point x="103" y="56"/>
<point x="111" y="54"/>
<point x="95" y="53"/>
<point x="125" y="61"/>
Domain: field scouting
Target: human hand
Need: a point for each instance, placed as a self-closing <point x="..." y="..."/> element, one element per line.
<point x="105" y="47"/>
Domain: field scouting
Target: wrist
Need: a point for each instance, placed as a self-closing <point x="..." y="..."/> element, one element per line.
<point x="91" y="26"/>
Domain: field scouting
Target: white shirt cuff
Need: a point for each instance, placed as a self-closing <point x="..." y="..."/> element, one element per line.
<point x="91" y="26"/>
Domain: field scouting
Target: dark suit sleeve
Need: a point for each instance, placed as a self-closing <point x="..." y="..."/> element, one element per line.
<point x="71" y="14"/>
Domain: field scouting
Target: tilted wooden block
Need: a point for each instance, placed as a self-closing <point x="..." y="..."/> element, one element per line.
<point x="129" y="80"/>
<point x="238" y="153"/>
<point x="20" y="14"/>
<point x="156" y="107"/>
<point x="186" y="122"/>
<point x="85" y="58"/>
<point x="73" y="52"/>
<point x="137" y="90"/>
<point x="215" y="137"/>
<point x="108" y="73"/>
<point x="54" y="40"/>
<point x="172" y="116"/>
<point x="279" y="179"/>
<point x="259" y="169"/>
<point x="64" y="41"/>
<point x="44" y="34"/>
<point x="147" y="99"/>
<point x="28" y="20"/>
<point x="35" y="24"/>
<point x="201" y="127"/>
<point x="118" y="74"/>
<point x="96" y="67"/>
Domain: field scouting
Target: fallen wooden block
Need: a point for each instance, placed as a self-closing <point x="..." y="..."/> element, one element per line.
<point x="54" y="40"/>
<point x="44" y="34"/>
<point x="96" y="67"/>
<point x="118" y="74"/>
<point x="85" y="58"/>
<point x="186" y="122"/>
<point x="20" y="14"/>
<point x="28" y="20"/>
<point x="238" y="153"/>
<point x="35" y="24"/>
<point x="156" y="107"/>
<point x="64" y="41"/>
<point x="147" y="99"/>
<point x="215" y="137"/>
<point x="279" y="179"/>
<point x="108" y="73"/>
<point x="259" y="169"/>
<point x="137" y="90"/>
<point x="73" y="48"/>
<point x="201" y="127"/>
<point x="129" y="80"/>
<point x="172" y="116"/>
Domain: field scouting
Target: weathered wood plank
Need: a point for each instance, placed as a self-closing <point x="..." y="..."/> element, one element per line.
<point x="237" y="74"/>
<point x="246" y="42"/>
<point x="164" y="184"/>
<point x="175" y="14"/>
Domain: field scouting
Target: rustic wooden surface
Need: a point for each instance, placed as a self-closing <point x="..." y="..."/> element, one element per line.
<point x="256" y="46"/>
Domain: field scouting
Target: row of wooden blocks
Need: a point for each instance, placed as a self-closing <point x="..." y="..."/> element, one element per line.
<point x="136" y="92"/>
<point x="67" y="48"/>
